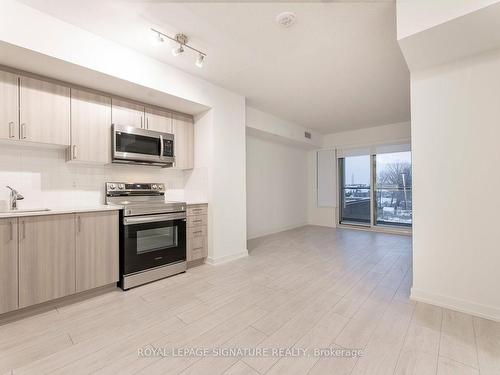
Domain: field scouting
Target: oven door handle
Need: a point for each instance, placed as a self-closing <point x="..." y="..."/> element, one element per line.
<point x="153" y="218"/>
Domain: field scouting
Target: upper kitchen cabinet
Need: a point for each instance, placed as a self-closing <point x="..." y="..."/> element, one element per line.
<point x="158" y="120"/>
<point x="90" y="127"/>
<point x="183" y="129"/>
<point x="44" y="112"/>
<point x="9" y="106"/>
<point x="127" y="113"/>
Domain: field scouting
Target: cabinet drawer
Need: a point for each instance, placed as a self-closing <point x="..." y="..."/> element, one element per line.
<point x="195" y="232"/>
<point x="196" y="210"/>
<point x="197" y="248"/>
<point x="196" y="221"/>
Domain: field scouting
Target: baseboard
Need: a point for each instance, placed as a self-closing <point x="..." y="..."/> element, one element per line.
<point x="482" y="311"/>
<point x="227" y="258"/>
<point x="44" y="307"/>
<point x="278" y="230"/>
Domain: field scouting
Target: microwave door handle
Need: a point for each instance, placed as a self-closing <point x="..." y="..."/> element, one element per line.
<point x="161" y="146"/>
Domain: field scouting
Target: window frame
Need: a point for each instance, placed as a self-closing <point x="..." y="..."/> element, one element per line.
<point x="373" y="225"/>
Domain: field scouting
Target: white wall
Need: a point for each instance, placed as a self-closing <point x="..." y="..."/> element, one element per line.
<point x="414" y="16"/>
<point x="287" y="130"/>
<point x="46" y="180"/>
<point x="456" y="163"/>
<point x="391" y="133"/>
<point x="455" y="110"/>
<point x="48" y="46"/>
<point x="276" y="186"/>
<point x="379" y="135"/>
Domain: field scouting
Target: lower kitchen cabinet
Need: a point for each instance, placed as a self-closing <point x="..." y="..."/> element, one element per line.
<point x="197" y="240"/>
<point x="46" y="258"/>
<point x="96" y="249"/>
<point x="8" y="265"/>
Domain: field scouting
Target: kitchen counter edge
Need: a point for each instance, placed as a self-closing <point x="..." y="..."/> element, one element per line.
<point x="59" y="211"/>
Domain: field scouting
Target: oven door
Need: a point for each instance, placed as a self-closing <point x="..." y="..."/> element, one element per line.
<point x="152" y="240"/>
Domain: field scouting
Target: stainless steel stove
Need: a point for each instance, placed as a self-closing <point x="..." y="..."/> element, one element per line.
<point x="152" y="232"/>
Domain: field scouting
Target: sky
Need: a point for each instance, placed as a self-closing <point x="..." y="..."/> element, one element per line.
<point x="357" y="168"/>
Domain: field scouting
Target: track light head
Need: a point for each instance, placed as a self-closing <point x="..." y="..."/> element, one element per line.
<point x="200" y="60"/>
<point x="177" y="51"/>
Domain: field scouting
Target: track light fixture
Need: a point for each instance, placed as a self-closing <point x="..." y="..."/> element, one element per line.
<point x="176" y="51"/>
<point x="200" y="60"/>
<point x="182" y="41"/>
<point x="160" y="38"/>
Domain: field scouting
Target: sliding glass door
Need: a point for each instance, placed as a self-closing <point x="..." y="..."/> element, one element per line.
<point x="355" y="190"/>
<point x="393" y="193"/>
<point x="389" y="202"/>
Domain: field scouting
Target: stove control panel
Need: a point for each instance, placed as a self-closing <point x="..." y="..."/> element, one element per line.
<point x="114" y="188"/>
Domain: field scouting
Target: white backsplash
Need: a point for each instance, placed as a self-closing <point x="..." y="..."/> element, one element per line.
<point x="45" y="179"/>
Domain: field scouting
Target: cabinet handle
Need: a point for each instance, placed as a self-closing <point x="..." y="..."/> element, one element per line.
<point x="198" y="231"/>
<point x="198" y="248"/>
<point x="74" y="151"/>
<point x="197" y="209"/>
<point x="23" y="131"/>
<point x="11" y="128"/>
<point x="11" y="230"/>
<point x="24" y="229"/>
<point x="141" y="122"/>
<point x="197" y="221"/>
<point x="79" y="224"/>
<point x="147" y="122"/>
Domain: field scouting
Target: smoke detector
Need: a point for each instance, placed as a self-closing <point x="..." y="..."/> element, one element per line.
<point x="286" y="19"/>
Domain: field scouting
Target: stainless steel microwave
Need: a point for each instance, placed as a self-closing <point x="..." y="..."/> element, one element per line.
<point x="132" y="145"/>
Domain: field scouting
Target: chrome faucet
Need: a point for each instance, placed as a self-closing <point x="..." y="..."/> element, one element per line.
<point x="14" y="197"/>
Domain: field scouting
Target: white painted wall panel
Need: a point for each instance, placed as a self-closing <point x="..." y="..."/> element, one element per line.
<point x="327" y="178"/>
<point x="276" y="186"/>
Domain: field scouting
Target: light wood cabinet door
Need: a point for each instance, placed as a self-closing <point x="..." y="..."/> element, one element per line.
<point x="90" y="127"/>
<point x="46" y="258"/>
<point x="44" y="112"/>
<point x="183" y="129"/>
<point x="158" y="120"/>
<point x="96" y="249"/>
<point x="9" y="106"/>
<point x="8" y="265"/>
<point x="127" y="113"/>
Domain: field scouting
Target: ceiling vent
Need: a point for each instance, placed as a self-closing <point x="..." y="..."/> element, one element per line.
<point x="286" y="19"/>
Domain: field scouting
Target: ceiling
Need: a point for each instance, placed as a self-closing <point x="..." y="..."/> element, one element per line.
<point x="338" y="68"/>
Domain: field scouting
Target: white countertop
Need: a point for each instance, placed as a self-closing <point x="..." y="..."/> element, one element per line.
<point x="57" y="211"/>
<point x="192" y="203"/>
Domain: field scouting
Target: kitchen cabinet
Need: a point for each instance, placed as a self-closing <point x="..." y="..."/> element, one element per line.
<point x="44" y="113"/>
<point x="9" y="106"/>
<point x="197" y="239"/>
<point x="90" y="127"/>
<point x="127" y="113"/>
<point x="96" y="249"/>
<point x="8" y="265"/>
<point x="158" y="120"/>
<point x="183" y="130"/>
<point x="46" y="258"/>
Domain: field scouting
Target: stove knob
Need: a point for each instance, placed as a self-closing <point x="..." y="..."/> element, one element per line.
<point x="112" y="186"/>
<point x="121" y="186"/>
<point x="161" y="187"/>
<point x="155" y="186"/>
